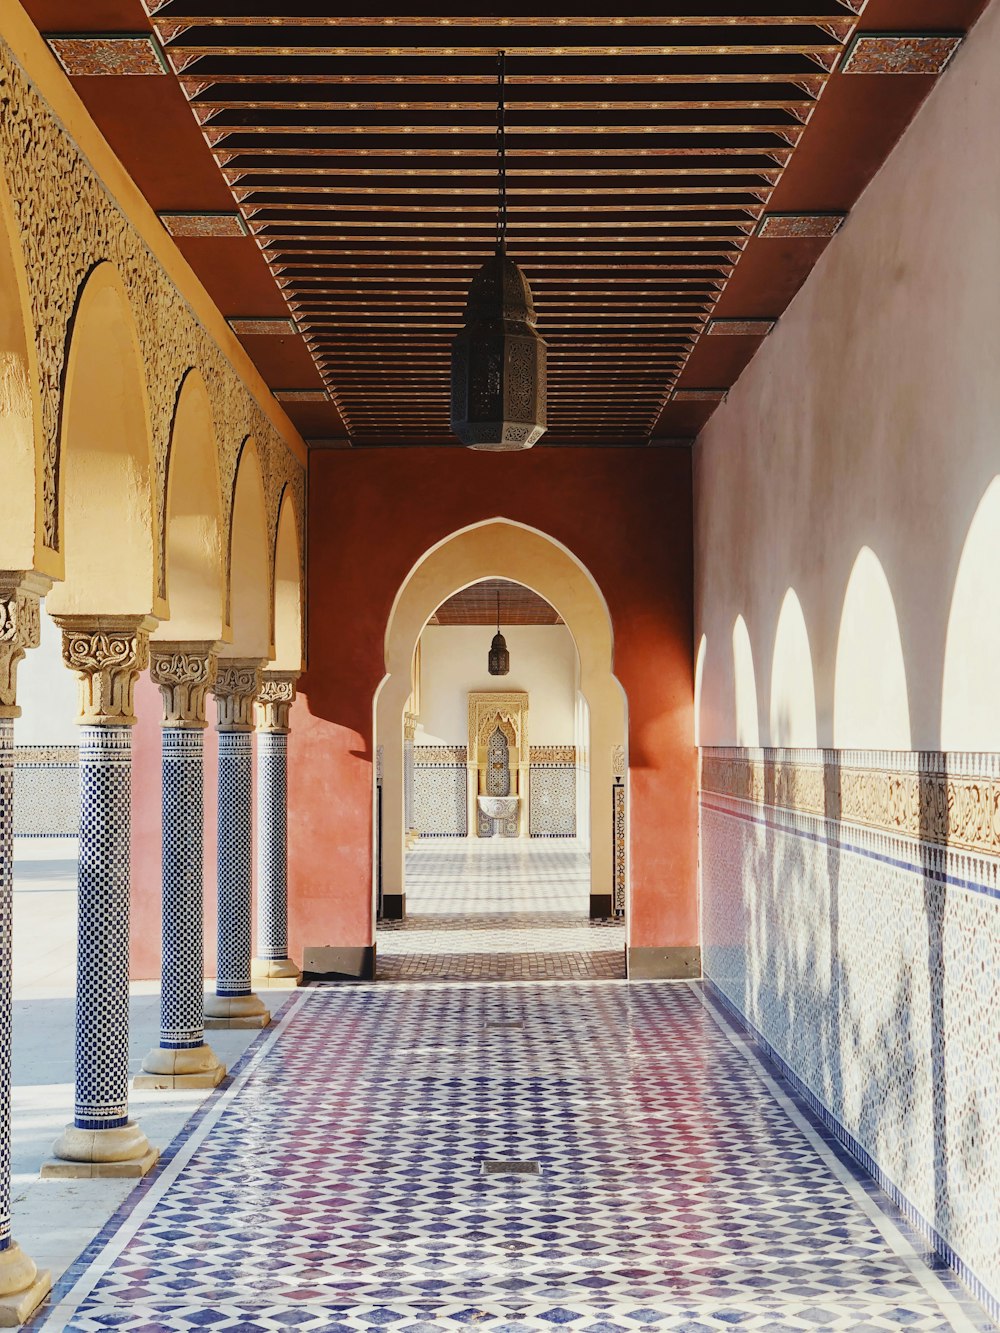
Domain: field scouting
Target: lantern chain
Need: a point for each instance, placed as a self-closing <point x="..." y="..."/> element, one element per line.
<point x="501" y="158"/>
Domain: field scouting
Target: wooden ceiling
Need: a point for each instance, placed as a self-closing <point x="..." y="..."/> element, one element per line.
<point x="645" y="155"/>
<point x="477" y="605"/>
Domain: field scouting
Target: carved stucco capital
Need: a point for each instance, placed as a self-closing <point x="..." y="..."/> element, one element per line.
<point x="277" y="693"/>
<point x="618" y="761"/>
<point x="108" y="654"/>
<point x="237" y="685"/>
<point x="185" y="672"/>
<point x="20" y="629"/>
<point x="409" y="726"/>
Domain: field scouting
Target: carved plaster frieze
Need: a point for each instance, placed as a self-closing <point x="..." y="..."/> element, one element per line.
<point x="237" y="685"/>
<point x="277" y="694"/>
<point x="487" y="710"/>
<point x="108" y="654"/>
<point x="618" y="761"/>
<point x="185" y="672"/>
<point x="410" y="721"/>
<point x="930" y="803"/>
<point x="20" y="629"/>
<point x="68" y="224"/>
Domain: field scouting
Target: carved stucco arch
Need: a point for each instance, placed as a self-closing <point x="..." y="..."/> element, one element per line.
<point x="48" y="178"/>
<point x="503" y="548"/>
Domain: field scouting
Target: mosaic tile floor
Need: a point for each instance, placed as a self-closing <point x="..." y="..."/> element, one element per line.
<point x="499" y="910"/>
<point x="340" y="1182"/>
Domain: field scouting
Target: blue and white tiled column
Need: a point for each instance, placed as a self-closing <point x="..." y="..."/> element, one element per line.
<point x="184" y="672"/>
<point x="107" y="654"/>
<point x="237" y="685"/>
<point x="22" y="1287"/>
<point x="272" y="966"/>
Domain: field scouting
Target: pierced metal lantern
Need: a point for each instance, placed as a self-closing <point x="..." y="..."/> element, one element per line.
<point x="498" y="363"/>
<point x="499" y="660"/>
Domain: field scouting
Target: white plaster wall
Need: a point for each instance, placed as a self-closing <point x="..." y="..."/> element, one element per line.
<point x="453" y="662"/>
<point x="46" y="693"/>
<point x="871" y="418"/>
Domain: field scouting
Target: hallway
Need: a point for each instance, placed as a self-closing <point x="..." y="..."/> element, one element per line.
<point x="519" y="1157"/>
<point x="499" y="910"/>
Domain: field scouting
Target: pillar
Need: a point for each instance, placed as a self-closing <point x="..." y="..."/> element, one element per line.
<point x="409" y="777"/>
<point x="234" y="1005"/>
<point x="107" y="653"/>
<point x="22" y="1287"/>
<point x="185" y="673"/>
<point x="272" y="966"/>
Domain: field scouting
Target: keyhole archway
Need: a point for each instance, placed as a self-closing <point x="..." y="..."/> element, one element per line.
<point x="503" y="548"/>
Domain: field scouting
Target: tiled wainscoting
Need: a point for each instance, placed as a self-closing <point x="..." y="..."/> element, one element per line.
<point x="439" y="791"/>
<point x="46" y="791"/>
<point x="851" y="915"/>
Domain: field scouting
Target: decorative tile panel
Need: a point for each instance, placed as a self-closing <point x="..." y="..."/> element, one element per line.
<point x="46" y="791"/>
<point x="739" y="328"/>
<point x="218" y="226"/>
<point x="262" y="327"/>
<point x="440" y="800"/>
<point x="552" y="799"/>
<point x="799" y="226"/>
<point x="851" y="913"/>
<point x="107" y="53"/>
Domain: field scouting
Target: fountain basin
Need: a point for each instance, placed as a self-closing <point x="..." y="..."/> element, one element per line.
<point x="498" y="807"/>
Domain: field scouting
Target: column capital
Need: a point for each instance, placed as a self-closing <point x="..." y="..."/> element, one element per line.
<point x="185" y="671"/>
<point x="108" y="654"/>
<point x="410" y="721"/>
<point x="237" y="685"/>
<point x="277" y="693"/>
<point x="20" y="629"/>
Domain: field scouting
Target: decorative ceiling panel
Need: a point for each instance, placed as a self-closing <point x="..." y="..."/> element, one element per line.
<point x="477" y="605"/>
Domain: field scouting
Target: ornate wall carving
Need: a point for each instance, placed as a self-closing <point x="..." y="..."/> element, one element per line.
<point x="108" y="659"/>
<point x="944" y="799"/>
<point x="69" y="224"/>
<point x="185" y="672"/>
<point x="237" y="685"/>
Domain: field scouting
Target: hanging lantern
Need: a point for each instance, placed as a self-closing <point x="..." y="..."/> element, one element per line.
<point x="499" y="662"/>
<point x="498" y="358"/>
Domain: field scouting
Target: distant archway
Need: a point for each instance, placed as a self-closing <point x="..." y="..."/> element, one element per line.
<point x="870" y="702"/>
<point x="107" y="514"/>
<point x="249" y="562"/>
<point x="287" y="590"/>
<point x="970" y="700"/>
<point x="195" y="577"/>
<point x="744" y="687"/>
<point x="793" y="690"/>
<point x="502" y="548"/>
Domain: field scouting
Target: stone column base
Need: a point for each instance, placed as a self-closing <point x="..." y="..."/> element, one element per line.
<point x="196" y="1067"/>
<point x="235" y="1011"/>
<point x="22" y="1287"/>
<point x="91" y="1154"/>
<point x="275" y="973"/>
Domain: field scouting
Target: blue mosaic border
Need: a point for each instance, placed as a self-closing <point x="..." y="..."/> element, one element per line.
<point x="912" y="867"/>
<point x="65" y="1284"/>
<point x="853" y="1154"/>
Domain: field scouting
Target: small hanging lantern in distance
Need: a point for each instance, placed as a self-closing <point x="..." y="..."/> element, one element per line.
<point x="499" y="661"/>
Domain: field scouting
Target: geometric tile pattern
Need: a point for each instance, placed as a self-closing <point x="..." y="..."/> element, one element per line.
<point x="338" y="1184"/>
<point x="235" y="862"/>
<point x="498" y="911"/>
<point x="182" y="990"/>
<point x="129" y="53"/>
<point x="870" y="963"/>
<point x="900" y="53"/>
<point x="6" y="961"/>
<point x="552" y="804"/>
<point x="103" y="928"/>
<point x="272" y="845"/>
<point x="440" y="799"/>
<point x="46" y="791"/>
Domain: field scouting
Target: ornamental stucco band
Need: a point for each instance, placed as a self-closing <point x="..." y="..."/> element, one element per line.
<point x="49" y="177"/>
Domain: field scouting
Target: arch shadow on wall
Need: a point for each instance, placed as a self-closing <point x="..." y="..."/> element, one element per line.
<point x="502" y="548"/>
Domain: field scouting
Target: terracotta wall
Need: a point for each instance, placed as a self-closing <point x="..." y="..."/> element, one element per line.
<point x="626" y="514"/>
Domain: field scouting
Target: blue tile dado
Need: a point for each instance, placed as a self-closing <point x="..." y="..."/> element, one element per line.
<point x="337" y="1182"/>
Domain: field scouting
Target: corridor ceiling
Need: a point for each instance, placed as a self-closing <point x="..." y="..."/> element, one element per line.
<point x="672" y="178"/>
<point x="477" y="605"/>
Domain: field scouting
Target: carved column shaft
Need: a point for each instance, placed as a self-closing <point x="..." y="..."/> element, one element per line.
<point x="237" y="685"/>
<point x="273" y="706"/>
<point x="107" y="655"/>
<point x="19" y="630"/>
<point x="184" y="673"/>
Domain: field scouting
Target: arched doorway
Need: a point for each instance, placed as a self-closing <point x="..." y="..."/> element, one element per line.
<point x="527" y="558"/>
